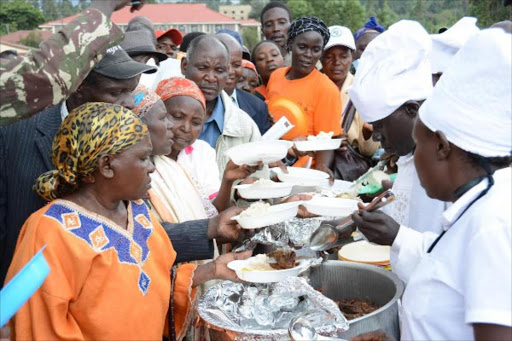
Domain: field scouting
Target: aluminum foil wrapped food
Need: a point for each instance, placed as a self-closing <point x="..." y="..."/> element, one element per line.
<point x="295" y="232"/>
<point x="264" y="311"/>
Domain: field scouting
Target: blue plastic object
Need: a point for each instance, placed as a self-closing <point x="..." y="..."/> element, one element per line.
<point x="22" y="286"/>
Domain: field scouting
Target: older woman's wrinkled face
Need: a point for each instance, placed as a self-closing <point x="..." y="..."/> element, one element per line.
<point x="306" y="51"/>
<point x="160" y="129"/>
<point x="131" y="170"/>
<point x="249" y="81"/>
<point x="187" y="116"/>
<point x="267" y="58"/>
<point x="336" y="63"/>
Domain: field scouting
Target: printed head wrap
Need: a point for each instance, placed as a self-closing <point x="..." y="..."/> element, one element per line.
<point x="89" y="131"/>
<point x="306" y="24"/>
<point x="371" y="26"/>
<point x="180" y="87"/>
<point x="249" y="65"/>
<point x="144" y="100"/>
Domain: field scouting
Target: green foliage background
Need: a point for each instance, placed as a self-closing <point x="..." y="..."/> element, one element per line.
<point x="433" y="14"/>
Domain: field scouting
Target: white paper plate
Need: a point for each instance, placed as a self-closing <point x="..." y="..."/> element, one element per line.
<point x="254" y="152"/>
<point x="302" y="176"/>
<point x="269" y="276"/>
<point x="277" y="190"/>
<point x="315" y="145"/>
<point x="364" y="252"/>
<point x="331" y="207"/>
<point x="276" y="214"/>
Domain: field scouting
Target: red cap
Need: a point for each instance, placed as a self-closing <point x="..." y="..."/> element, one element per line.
<point x="173" y="33"/>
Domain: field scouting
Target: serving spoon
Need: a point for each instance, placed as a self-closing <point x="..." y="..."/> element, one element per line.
<point x="329" y="234"/>
<point x="301" y="329"/>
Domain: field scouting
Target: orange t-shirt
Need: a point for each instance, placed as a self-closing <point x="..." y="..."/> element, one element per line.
<point x="262" y="89"/>
<point x="105" y="282"/>
<point x="312" y="104"/>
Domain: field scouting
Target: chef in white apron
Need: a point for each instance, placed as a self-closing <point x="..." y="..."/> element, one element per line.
<point x="392" y="80"/>
<point x="461" y="285"/>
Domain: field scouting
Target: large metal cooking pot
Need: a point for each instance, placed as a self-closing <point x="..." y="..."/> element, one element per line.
<point x="339" y="279"/>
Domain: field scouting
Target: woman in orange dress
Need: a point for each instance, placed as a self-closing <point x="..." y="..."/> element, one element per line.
<point x="111" y="262"/>
<point x="308" y="98"/>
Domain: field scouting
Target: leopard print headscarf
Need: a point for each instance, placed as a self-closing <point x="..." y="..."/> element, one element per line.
<point x="89" y="131"/>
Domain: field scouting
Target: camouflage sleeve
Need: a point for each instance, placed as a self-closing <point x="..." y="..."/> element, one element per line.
<point x="48" y="75"/>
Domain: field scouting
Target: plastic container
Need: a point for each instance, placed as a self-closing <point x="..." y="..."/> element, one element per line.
<point x="302" y="176"/>
<point x="316" y="145"/>
<point x="276" y="214"/>
<point x="365" y="252"/>
<point x="331" y="207"/>
<point x="22" y="286"/>
<point x="269" y="276"/>
<point x="254" y="152"/>
<point x="254" y="191"/>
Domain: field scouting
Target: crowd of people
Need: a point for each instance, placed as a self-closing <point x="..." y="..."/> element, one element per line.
<point x="113" y="155"/>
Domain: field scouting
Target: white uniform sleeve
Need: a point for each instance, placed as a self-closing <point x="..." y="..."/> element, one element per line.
<point x="210" y="171"/>
<point x="408" y="249"/>
<point x="488" y="279"/>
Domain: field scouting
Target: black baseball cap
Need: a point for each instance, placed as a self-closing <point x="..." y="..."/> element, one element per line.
<point x="140" y="42"/>
<point x="117" y="64"/>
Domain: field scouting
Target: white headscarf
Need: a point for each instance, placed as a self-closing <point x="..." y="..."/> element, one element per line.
<point x="393" y="69"/>
<point x="446" y="44"/>
<point x="471" y="103"/>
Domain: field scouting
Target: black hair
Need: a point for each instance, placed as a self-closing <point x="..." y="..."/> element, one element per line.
<point x="187" y="39"/>
<point x="91" y="79"/>
<point x="494" y="162"/>
<point x="275" y="4"/>
<point x="253" y="57"/>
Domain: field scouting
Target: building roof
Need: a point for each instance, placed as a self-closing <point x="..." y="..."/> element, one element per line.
<point x="165" y="13"/>
<point x="15" y="37"/>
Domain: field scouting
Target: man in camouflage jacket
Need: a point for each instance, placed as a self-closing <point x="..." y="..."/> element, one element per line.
<point x="48" y="75"/>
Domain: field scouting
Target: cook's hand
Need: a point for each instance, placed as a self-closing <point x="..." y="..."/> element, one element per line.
<point x="303" y="212"/>
<point x="225" y="230"/>
<point x="377" y="226"/>
<point x="376" y="335"/>
<point x="234" y="172"/>
<point x="221" y="269"/>
<point x="110" y="6"/>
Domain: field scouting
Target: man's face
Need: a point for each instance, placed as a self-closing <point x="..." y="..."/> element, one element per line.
<point x="109" y="90"/>
<point x="167" y="46"/>
<point x="362" y="43"/>
<point x="275" y="25"/>
<point x="208" y="68"/>
<point x="395" y="131"/>
<point x="235" y="67"/>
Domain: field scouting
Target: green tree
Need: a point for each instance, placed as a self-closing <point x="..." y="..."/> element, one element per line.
<point x="66" y="8"/>
<point x="300" y="8"/>
<point x="250" y="36"/>
<point x="19" y="15"/>
<point x="33" y="39"/>
<point x="488" y="11"/>
<point x="385" y="15"/>
<point x="50" y="9"/>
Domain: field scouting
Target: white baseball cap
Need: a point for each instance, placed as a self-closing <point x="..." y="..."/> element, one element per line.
<point x="340" y="35"/>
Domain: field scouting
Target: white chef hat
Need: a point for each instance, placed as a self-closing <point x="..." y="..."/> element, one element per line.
<point x="446" y="44"/>
<point x="393" y="69"/>
<point x="471" y="103"/>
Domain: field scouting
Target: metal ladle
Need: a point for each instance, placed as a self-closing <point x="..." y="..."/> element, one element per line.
<point x="301" y="329"/>
<point x="330" y="233"/>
